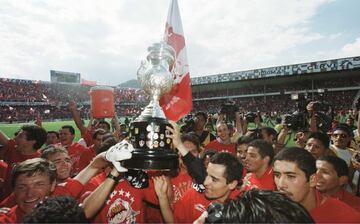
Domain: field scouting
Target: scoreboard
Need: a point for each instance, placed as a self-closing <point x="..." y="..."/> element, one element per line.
<point x="67" y="77"/>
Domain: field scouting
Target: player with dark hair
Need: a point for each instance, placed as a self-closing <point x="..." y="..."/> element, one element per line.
<point x="259" y="156"/>
<point x="332" y="176"/>
<point x="75" y="150"/>
<point x="295" y="176"/>
<point x="52" y="138"/>
<point x="224" y="174"/>
<point x="32" y="181"/>
<point x="24" y="146"/>
<point x="318" y="144"/>
<point x="61" y="209"/>
<point x="264" y="206"/>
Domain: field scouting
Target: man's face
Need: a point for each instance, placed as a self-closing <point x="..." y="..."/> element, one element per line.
<point x="315" y="147"/>
<point x="51" y="139"/>
<point x="350" y="122"/>
<point x="31" y="190"/>
<point x="63" y="164"/>
<point x="97" y="141"/>
<point x="241" y="152"/>
<point x="223" y="132"/>
<point x="199" y="123"/>
<point x="291" y="181"/>
<point x="21" y="140"/>
<point x="327" y="178"/>
<point x="66" y="138"/>
<point x="215" y="183"/>
<point x="340" y="139"/>
<point x="103" y="126"/>
<point x="253" y="160"/>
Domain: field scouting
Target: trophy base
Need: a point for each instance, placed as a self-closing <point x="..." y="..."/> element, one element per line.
<point x="148" y="136"/>
<point x="152" y="160"/>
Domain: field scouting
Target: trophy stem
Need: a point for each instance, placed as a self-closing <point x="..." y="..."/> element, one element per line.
<point x="153" y="109"/>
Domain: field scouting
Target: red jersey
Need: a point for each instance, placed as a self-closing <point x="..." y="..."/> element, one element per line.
<point x="220" y="147"/>
<point x="125" y="204"/>
<point x="13" y="216"/>
<point x="70" y="187"/>
<point x="86" y="157"/>
<point x="181" y="184"/>
<point x="193" y="204"/>
<point x="13" y="156"/>
<point x="331" y="210"/>
<point x="348" y="198"/>
<point x="87" y="136"/>
<point x="265" y="182"/>
<point x="190" y="206"/>
<point x="75" y="151"/>
<point x="91" y="185"/>
<point x="3" y="169"/>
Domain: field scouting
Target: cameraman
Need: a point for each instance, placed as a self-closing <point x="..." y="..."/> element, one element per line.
<point x="227" y="114"/>
<point x="199" y="129"/>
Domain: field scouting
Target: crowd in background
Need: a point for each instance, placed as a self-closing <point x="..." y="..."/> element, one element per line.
<point x="240" y="160"/>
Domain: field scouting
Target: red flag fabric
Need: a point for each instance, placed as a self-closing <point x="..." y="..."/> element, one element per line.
<point x="88" y="82"/>
<point x="178" y="102"/>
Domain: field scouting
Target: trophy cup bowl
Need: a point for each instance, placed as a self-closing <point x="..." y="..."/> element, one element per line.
<point x="148" y="133"/>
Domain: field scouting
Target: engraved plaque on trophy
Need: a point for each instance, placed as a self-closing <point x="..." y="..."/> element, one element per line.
<point x="148" y="131"/>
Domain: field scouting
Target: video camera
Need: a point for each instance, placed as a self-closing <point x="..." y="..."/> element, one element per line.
<point x="299" y="119"/>
<point x="229" y="109"/>
<point x="215" y="212"/>
<point x="189" y="125"/>
<point x="296" y="121"/>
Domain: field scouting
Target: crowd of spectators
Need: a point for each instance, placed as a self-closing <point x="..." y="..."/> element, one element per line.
<point x="50" y="99"/>
<point x="300" y="85"/>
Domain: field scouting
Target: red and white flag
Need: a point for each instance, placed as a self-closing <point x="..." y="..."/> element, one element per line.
<point x="178" y="102"/>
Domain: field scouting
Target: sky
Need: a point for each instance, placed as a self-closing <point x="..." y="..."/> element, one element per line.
<point x="106" y="40"/>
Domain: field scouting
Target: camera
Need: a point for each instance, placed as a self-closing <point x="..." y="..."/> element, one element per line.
<point x="323" y="113"/>
<point x="189" y="125"/>
<point x="215" y="211"/>
<point x="229" y="109"/>
<point x="255" y="133"/>
<point x="296" y="121"/>
<point x="250" y="117"/>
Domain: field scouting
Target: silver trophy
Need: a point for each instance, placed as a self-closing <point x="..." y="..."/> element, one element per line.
<point x="155" y="76"/>
<point x="148" y="131"/>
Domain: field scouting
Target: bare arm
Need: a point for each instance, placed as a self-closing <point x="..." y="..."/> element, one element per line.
<point x="282" y="135"/>
<point x="92" y="169"/>
<point x="76" y="116"/>
<point x="161" y="188"/>
<point x="238" y="123"/>
<point x="117" y="125"/>
<point x="3" y="138"/>
<point x="95" y="201"/>
<point x="313" y="126"/>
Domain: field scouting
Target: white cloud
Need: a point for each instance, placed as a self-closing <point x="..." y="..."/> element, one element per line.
<point x="106" y="40"/>
<point x="351" y="49"/>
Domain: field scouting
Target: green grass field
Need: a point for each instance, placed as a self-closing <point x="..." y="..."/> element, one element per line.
<point x="10" y="129"/>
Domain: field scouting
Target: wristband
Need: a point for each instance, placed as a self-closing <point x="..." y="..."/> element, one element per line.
<point x="116" y="179"/>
